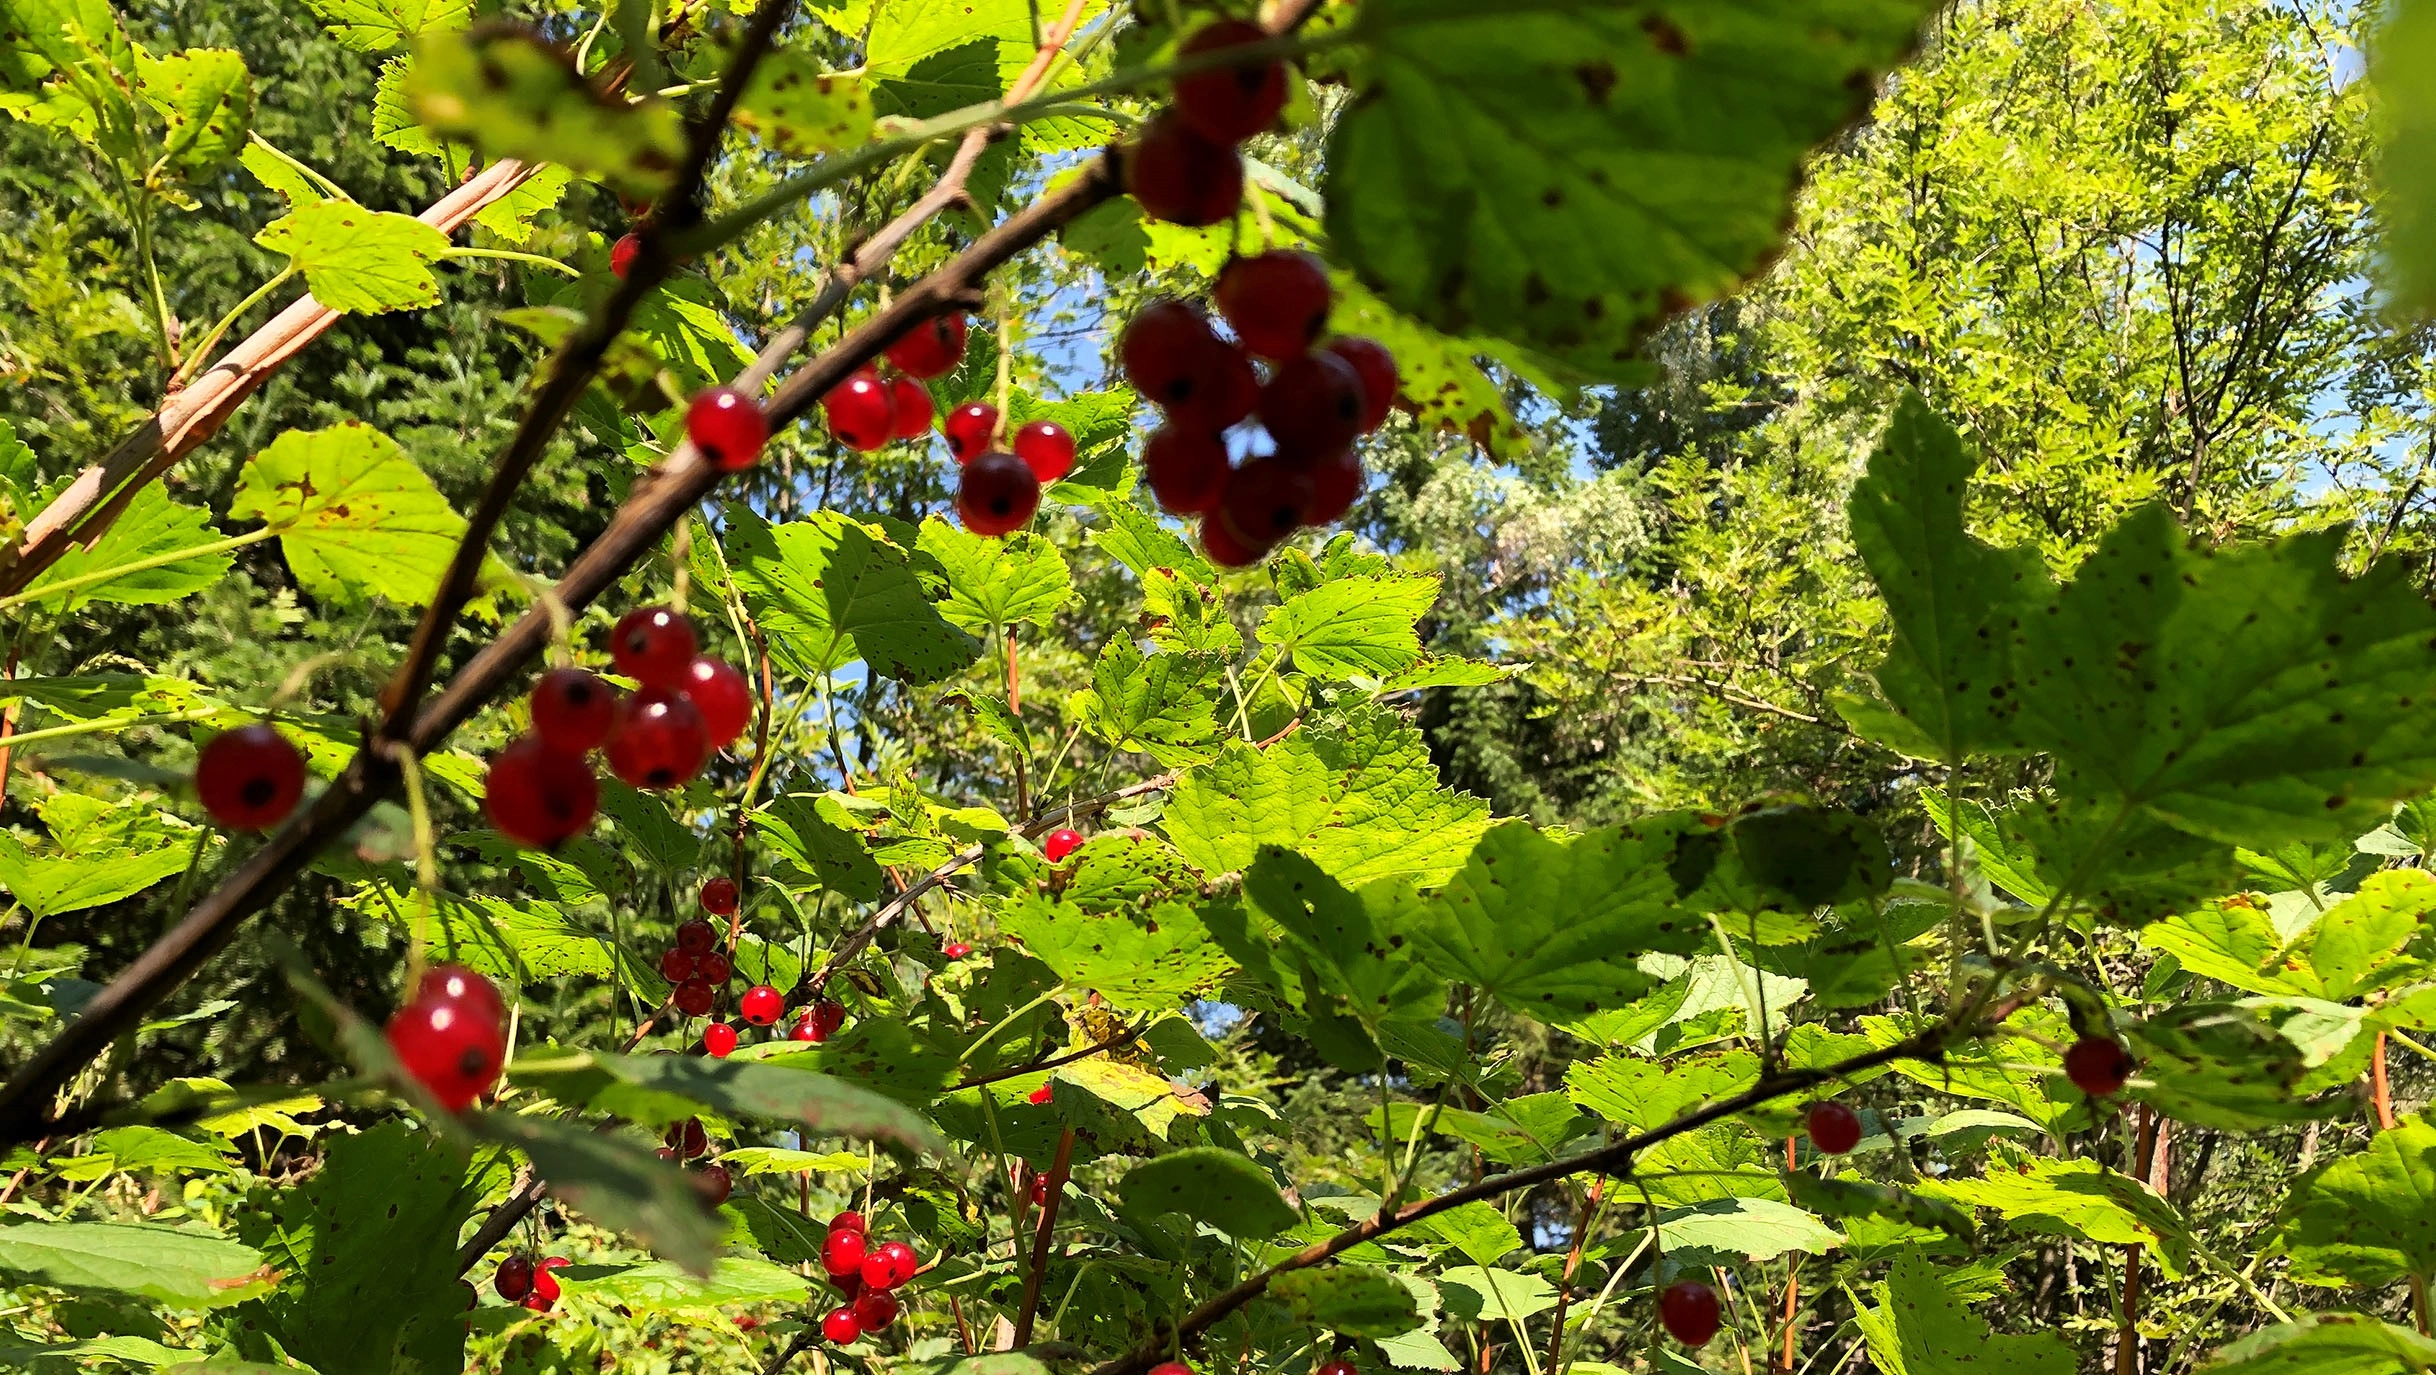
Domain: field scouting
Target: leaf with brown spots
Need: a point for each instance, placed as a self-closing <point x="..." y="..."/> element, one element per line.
<point x="509" y="93"/>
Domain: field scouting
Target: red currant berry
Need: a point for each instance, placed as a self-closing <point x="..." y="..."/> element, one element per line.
<point x="1040" y="1191"/>
<point x="1372" y="363"/>
<point x="1039" y="1095"/>
<point x="719" y="896"/>
<point x="860" y="412"/>
<point x="545" y="1284"/>
<point x="911" y="405"/>
<point x="653" y="645"/>
<point x="1313" y="405"/>
<point x="1265" y="500"/>
<point x="806" y="1030"/>
<point x="713" y="968"/>
<point x="843" y="1252"/>
<point x="452" y="1046"/>
<point x="840" y="1326"/>
<point x="249" y="778"/>
<point x="719" y="1040"/>
<point x="827" y="1014"/>
<point x="1046" y="448"/>
<point x="1181" y="177"/>
<point x="677" y="966"/>
<point x="1335" y="481"/>
<point x="852" y="1221"/>
<point x="875" y="1309"/>
<point x="697" y="936"/>
<point x="460" y="987"/>
<point x="1227" y="391"/>
<point x="1171" y="1368"/>
<point x="728" y="427"/>
<point x="1226" y="548"/>
<point x="660" y="740"/>
<point x="1335" y="1368"/>
<point x="722" y="696"/>
<point x="930" y="348"/>
<point x="969" y="429"/>
<point x="622" y="254"/>
<point x="1162" y="351"/>
<point x="1689" y="1310"/>
<point x="998" y="495"/>
<point x="761" y="1004"/>
<point x="687" y="1138"/>
<point x="1230" y="104"/>
<point x="694" y="997"/>
<point x="539" y="795"/>
<point x="712" y="1183"/>
<point x="890" y="1264"/>
<point x="1833" y="1127"/>
<point x="1277" y="301"/>
<point x="956" y="950"/>
<point x="573" y="709"/>
<point x="1186" y="468"/>
<point x="1061" y="843"/>
<point x="2098" y="1066"/>
<point x="514" y="1278"/>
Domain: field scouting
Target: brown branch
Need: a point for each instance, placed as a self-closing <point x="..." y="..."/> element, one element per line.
<point x="1043" y="1236"/>
<point x="1564" y="1288"/>
<point x="803" y="1341"/>
<point x="1117" y="1042"/>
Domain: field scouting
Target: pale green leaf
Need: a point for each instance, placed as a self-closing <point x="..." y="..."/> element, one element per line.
<point x="355" y="517"/>
<point x="510" y="93"/>
<point x="359" y="260"/>
<point x="994" y="584"/>
<point x="169" y="1265"/>
<point x="1353" y="627"/>
<point x="831" y="590"/>
<point x="368" y="26"/>
<point x="1920" y="1327"/>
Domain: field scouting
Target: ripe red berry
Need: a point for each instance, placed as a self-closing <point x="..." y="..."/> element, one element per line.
<point x="1171" y="1368"/>
<point x="1046" y="448"/>
<point x="1162" y="350"/>
<point x="851" y="1221"/>
<point x="1230" y="104"/>
<point x="1313" y="405"/>
<point x="1265" y="500"/>
<point x="956" y="950"/>
<point x="451" y="1036"/>
<point x="1277" y="301"/>
<point x="622" y="254"/>
<point x="969" y="429"/>
<point x="761" y="1004"/>
<point x="1181" y="177"/>
<point x="890" y="1264"/>
<point x="806" y="1030"/>
<point x="653" y="645"/>
<point x="694" y="997"/>
<point x="910" y="403"/>
<point x="1335" y="481"/>
<point x="1227" y="391"/>
<point x="1060" y="843"/>
<point x="573" y="709"/>
<point x="1335" y="1368"/>
<point x="660" y="740"/>
<point x="696" y="935"/>
<point x="2098" y="1066"/>
<point x="687" y="1138"/>
<point x="827" y="1014"/>
<point x="728" y="427"/>
<point x="1833" y="1127"/>
<point x="875" y="1309"/>
<point x="998" y="495"/>
<point x="677" y="966"/>
<point x="1226" y="548"/>
<point x="539" y="795"/>
<point x="712" y="968"/>
<point x="719" y="1040"/>
<point x="458" y="986"/>
<point x="719" y="896"/>
<point x="514" y="1278"/>
<point x="840" y="1326"/>
<point x="545" y="1284"/>
<point x="930" y="348"/>
<point x="1186" y="467"/>
<point x="1689" y="1310"/>
<point x="249" y="778"/>
<point x="842" y="1253"/>
<point x="860" y="411"/>
<point x="1372" y="363"/>
<point x="1040" y="1191"/>
<point x="722" y="696"/>
<point x="1039" y="1095"/>
<point x="713" y="1184"/>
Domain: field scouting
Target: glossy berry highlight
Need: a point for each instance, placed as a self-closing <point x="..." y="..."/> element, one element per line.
<point x="514" y="1278"/>
<point x="1060" y="843"/>
<point x="660" y="740"/>
<point x="840" y="1327"/>
<point x="573" y="709"/>
<point x="653" y="645"/>
<point x="761" y="1005"/>
<point x="911" y="407"/>
<point x="539" y="795"/>
<point x="718" y="1040"/>
<point x="860" y="412"/>
<point x="720" y="693"/>
<point x="719" y="895"/>
<point x="623" y="253"/>
<point x="728" y="427"/>
<point x="1046" y="448"/>
<point x="998" y="495"/>
<point x="249" y="778"/>
<point x="451" y="1036"/>
<point x="969" y="429"/>
<point x="890" y="1264"/>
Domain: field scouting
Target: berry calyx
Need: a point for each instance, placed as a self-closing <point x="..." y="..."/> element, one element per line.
<point x="514" y="1278"/>
<point x="719" y="896"/>
<point x="660" y="740"/>
<point x="1231" y="103"/>
<point x="622" y="254"/>
<point x="249" y="778"/>
<point x="860" y="411"/>
<point x="851" y="1221"/>
<point x="840" y="1327"/>
<point x="969" y="429"/>
<point x="694" y="998"/>
<point x="1277" y="301"/>
<point x="573" y="709"/>
<point x="539" y="795"/>
<point x="1834" y="1128"/>
<point x="722" y="696"/>
<point x="1265" y="500"/>
<point x="2098" y="1066"/>
<point x="1226" y="548"/>
<point x="1313" y="405"/>
<point x="910" y="403"/>
<point x="1371" y="362"/>
<point x="1689" y="1311"/>
<point x="956" y="950"/>
<point x="451" y="1035"/>
<point x="728" y="427"/>
<point x="677" y="966"/>
<point x="1181" y="176"/>
<point x="653" y="645"/>
<point x="1186" y="468"/>
<point x="843" y="1252"/>
<point x="998" y="495"/>
<point x="697" y="935"/>
<point x="930" y="348"/>
<point x="875" y="1309"/>
<point x="890" y="1264"/>
<point x="719" y="1040"/>
<point x="713" y="1184"/>
<point x="1046" y="448"/>
<point x="761" y="1005"/>
<point x="1063" y="841"/>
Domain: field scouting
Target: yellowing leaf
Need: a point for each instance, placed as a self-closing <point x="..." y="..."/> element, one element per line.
<point x="356" y="518"/>
<point x="358" y="260"/>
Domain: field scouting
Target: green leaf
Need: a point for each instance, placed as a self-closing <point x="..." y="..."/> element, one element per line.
<point x="993" y="584"/>
<point x="1477" y="1230"/>
<point x="142" y="1150"/>
<point x="1349" y="938"/>
<point x="1150" y="961"/>
<point x="821" y="846"/>
<point x="356" y="518"/>
<point x="1218" y="1187"/>
<point x="2220" y="1065"/>
<point x="368" y="26"/>
<point x="206" y="98"/>
<point x="1476" y="1293"/>
<point x="660" y="1287"/>
<point x="2231" y="940"/>
<point x="2403" y="66"/>
<point x="511" y="216"/>
<point x="281" y="176"/>
<point x="1647" y="1094"/>
<point x="799" y="109"/>
<point x="393" y="125"/>
<point x="991" y="1363"/>
<point x="1811" y="857"/>
<point x="1164" y="705"/>
<point x="831" y="590"/>
<point x="679" y="323"/>
<point x="648" y="830"/>
<point x="515" y="941"/>
<point x="510" y="93"/>
<point x="358" y="260"/>
<point x="621" y="1186"/>
<point x="64" y="1356"/>
<point x="1754" y="1228"/>
<point x="658" y="1089"/>
<point x="1136" y="539"/>
<point x="1529" y="1130"/>
<point x="51" y="884"/>
<point x="1920" y="1328"/>
<point x="151" y="527"/>
<point x="1436" y="374"/>
<point x="168" y="1265"/>
<point x="1356" y="1300"/>
<point x="2081" y="1199"/>
<point x="2367" y="1219"/>
<point x="1180" y="614"/>
<point x="1353" y="627"/>
<point x="2003" y="1074"/>
<point x="1562" y="176"/>
<point x="2327" y="1344"/>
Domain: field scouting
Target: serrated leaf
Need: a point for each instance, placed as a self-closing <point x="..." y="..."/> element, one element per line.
<point x="1475" y="1293"/>
<point x="507" y="92"/>
<point x="679" y="324"/>
<point x="50" y="884"/>
<point x="1145" y="961"/>
<point x="619" y="1185"/>
<point x="368" y="26"/>
<point x="511" y="216"/>
<point x="831" y="590"/>
<point x="358" y="260"/>
<point x="151" y="527"/>
<point x="205" y="97"/>
<point x="1754" y="1228"/>
<point x="1350" y="939"/>
<point x="393" y="125"/>
<point x="1920" y="1327"/>
<point x="1183" y="615"/>
<point x="831" y="853"/>
<point x="2327" y="1344"/>
<point x="1354" y="627"/>
<point x="993" y="584"/>
<point x="1356" y="1300"/>
<point x="355" y="517"/>
<point x="2081" y="1199"/>
<point x="660" y="1287"/>
<point x="657" y="1089"/>
<point x="1164" y="705"/>
<point x="2220" y="1065"/>
<point x="1137" y="540"/>
<point x="1647" y="1094"/>
<point x="1477" y="1230"/>
<point x="169" y="1265"/>
<point x="142" y="1150"/>
<point x="801" y="110"/>
<point x="2367" y="1219"/>
<point x="1528" y="1130"/>
<point x="1217" y="1187"/>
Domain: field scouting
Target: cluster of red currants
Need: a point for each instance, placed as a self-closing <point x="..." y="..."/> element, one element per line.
<point x="250" y="778"/>
<point x="541" y="789"/>
<point x="687" y="1141"/>
<point x="1314" y="405"/>
<point x="519" y="1279"/>
<point x="867" y="1276"/>
<point x="451" y="1035"/>
<point x="699" y="971"/>
<point x="867" y="410"/>
<point x="1186" y="165"/>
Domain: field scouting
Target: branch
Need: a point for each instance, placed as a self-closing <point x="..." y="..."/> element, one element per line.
<point x="1117" y="1042"/>
<point x="1044" y="1236"/>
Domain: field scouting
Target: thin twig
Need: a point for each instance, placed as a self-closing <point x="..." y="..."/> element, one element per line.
<point x="1117" y="1042"/>
<point x="1055" y="1192"/>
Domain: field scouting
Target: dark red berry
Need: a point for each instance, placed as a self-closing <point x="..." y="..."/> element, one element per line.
<point x="514" y="1278"/>
<point x="653" y="645"/>
<point x="761" y="1004"/>
<point x="713" y="968"/>
<point x="890" y="1264"/>
<point x="1040" y="1191"/>
<point x="249" y="778"/>
<point x="1833" y="1127"/>
<point x="852" y="1221"/>
<point x="1231" y="103"/>
<point x="1163" y="351"/>
<point x="712" y="1183"/>
<point x="840" y="1326"/>
<point x="1186" y="468"/>
<point x="1277" y="301"/>
<point x="718" y="897"/>
<point x="969" y="429"/>
<point x="827" y="1014"/>
<point x="677" y="966"/>
<point x="1061" y="843"/>
<point x="1046" y="449"/>
<point x="860" y="412"/>
<point x="1266" y="499"/>
<point x="687" y="1138"/>
<point x="910" y="404"/>
<point x="545" y="1284"/>
<point x="875" y="1309"/>
<point x="728" y="427"/>
<point x="1225" y="393"/>
<point x="930" y="348"/>
<point x="451" y="1036"/>
<point x="719" y="1040"/>
<point x="1689" y="1310"/>
<point x="539" y="795"/>
<point x="573" y="709"/>
<point x="1181" y="177"/>
<point x="998" y="495"/>
<point x="1335" y="1368"/>
<point x="1039" y="1095"/>
<point x="843" y="1252"/>
<point x="1313" y="405"/>
<point x="696" y="935"/>
<point x="2098" y="1066"/>
<point x="956" y="950"/>
<point x="694" y="997"/>
<point x="660" y="740"/>
<point x="1171" y="1368"/>
<point x="722" y="696"/>
<point x="622" y="253"/>
<point x="1372" y="363"/>
<point x="1226" y="548"/>
<point x="1335" y="481"/>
